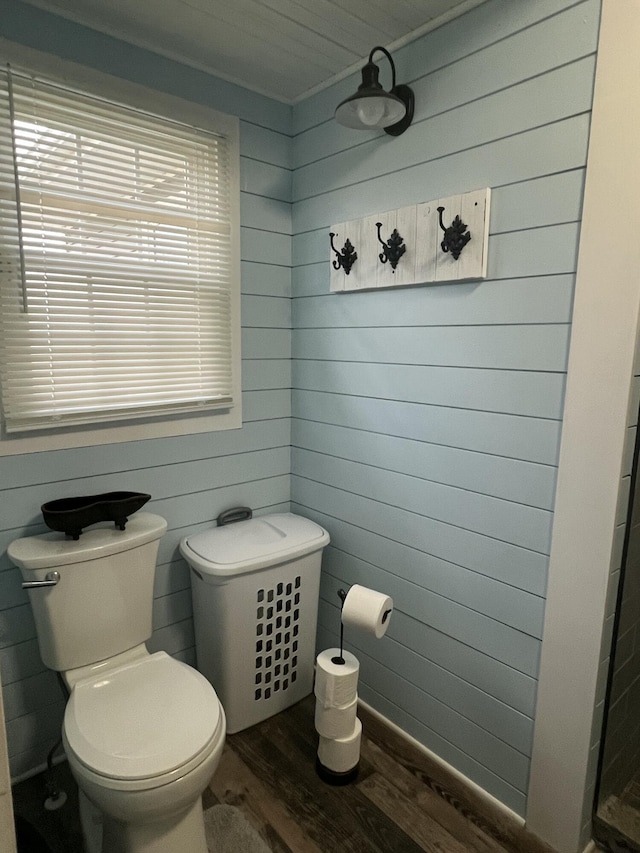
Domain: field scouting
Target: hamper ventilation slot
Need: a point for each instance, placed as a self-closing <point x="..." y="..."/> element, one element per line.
<point x="278" y="666"/>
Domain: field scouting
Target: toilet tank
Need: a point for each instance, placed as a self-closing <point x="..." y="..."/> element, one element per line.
<point x="102" y="604"/>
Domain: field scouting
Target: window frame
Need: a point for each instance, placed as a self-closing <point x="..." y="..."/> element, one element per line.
<point x="102" y="85"/>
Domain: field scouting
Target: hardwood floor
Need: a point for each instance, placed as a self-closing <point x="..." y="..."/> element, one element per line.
<point x="401" y="802"/>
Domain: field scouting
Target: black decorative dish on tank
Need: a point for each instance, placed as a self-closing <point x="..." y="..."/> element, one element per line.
<point x="71" y="515"/>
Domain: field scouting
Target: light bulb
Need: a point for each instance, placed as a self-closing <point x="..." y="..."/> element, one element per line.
<point x="371" y="111"/>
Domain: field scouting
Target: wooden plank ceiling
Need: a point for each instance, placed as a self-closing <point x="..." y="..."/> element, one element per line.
<point x="283" y="48"/>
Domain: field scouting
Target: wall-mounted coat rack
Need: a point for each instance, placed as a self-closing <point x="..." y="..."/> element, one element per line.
<point x="415" y="245"/>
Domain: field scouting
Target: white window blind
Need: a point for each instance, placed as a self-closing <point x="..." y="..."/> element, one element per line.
<point x="115" y="267"/>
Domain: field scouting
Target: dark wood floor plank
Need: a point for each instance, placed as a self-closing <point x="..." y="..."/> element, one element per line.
<point x="235" y="784"/>
<point x="337" y="819"/>
<point x="428" y="803"/>
<point x="475" y="808"/>
<point x="428" y="834"/>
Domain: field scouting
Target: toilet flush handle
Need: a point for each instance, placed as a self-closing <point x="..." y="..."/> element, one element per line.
<point x="50" y="579"/>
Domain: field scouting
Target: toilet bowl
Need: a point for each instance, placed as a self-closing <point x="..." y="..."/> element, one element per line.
<point x="143" y="733"/>
<point x="143" y="740"/>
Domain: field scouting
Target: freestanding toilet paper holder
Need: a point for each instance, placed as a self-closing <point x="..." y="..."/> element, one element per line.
<point x="338" y="759"/>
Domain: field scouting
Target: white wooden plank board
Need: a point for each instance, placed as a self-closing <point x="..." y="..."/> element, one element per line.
<point x="269" y="214"/>
<point x="538" y="151"/>
<point x="543" y="299"/>
<point x="510" y="479"/>
<point x="265" y="246"/>
<point x="531" y="439"/>
<point x="531" y="104"/>
<point x="508" y="392"/>
<point x="456" y="757"/>
<point x="556" y="41"/>
<point x="494" y="716"/>
<point x="260" y="374"/>
<point x="527" y="527"/>
<point x="20" y="660"/>
<point x="474" y="551"/>
<point x="265" y="279"/>
<point x="410" y="590"/>
<point x="506" y="762"/>
<point x="518" y="347"/>
<point x="470" y="34"/>
<point x="266" y="343"/>
<point x="264" y="179"/>
<point x="266" y="311"/>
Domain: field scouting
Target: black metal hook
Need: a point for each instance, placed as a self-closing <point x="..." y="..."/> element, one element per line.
<point x="345" y="259"/>
<point x="393" y="249"/>
<point x="454" y="237"/>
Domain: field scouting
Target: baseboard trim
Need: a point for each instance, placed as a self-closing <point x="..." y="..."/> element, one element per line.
<point x="509" y="814"/>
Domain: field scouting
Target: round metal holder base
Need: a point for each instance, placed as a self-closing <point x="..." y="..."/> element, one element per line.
<point x="333" y="777"/>
<point x="405" y="93"/>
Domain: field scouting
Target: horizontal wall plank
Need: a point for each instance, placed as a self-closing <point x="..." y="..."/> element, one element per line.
<point x="265" y="279"/>
<point x="31" y="737"/>
<point x="168" y="609"/>
<point x="265" y="144"/>
<point x="538" y="101"/>
<point x="261" y="374"/>
<point x="494" y="753"/>
<point x="171" y="577"/>
<point x="549" y="200"/>
<point x="449" y="734"/>
<point x="554" y="42"/>
<point x="522" y="347"/>
<point x="266" y="312"/>
<point x="526" y="438"/>
<point x="526" y="526"/>
<point x="266" y="343"/>
<point x="537" y="395"/>
<point x="545" y="299"/>
<point x="20" y="660"/>
<point x="557" y="147"/>
<point x="34" y="469"/>
<point x="263" y="405"/>
<point x="265" y="179"/>
<point x="507" y="724"/>
<point x="433" y="583"/>
<point x="509" y="479"/>
<point x="265" y="246"/>
<point x="185" y="479"/>
<point x="267" y="214"/>
<point x="31" y="694"/>
<point x="173" y="638"/>
<point x="492" y="557"/>
<point x="471" y="33"/>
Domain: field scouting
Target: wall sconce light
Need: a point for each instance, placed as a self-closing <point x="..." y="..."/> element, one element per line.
<point x="371" y="106"/>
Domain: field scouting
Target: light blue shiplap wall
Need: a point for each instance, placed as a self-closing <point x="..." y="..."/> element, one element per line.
<point x="190" y="478"/>
<point x="426" y="421"/>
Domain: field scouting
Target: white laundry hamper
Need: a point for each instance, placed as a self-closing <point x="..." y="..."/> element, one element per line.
<point x="255" y="586"/>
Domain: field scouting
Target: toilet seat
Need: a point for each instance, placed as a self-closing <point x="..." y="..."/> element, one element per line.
<point x="142" y="724"/>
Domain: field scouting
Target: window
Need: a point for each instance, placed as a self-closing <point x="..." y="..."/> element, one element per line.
<point x="118" y="261"/>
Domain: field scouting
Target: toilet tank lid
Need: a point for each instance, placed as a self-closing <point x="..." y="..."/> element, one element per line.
<point x="54" y="549"/>
<point x="246" y="546"/>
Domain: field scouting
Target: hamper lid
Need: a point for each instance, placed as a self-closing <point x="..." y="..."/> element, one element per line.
<point x="254" y="544"/>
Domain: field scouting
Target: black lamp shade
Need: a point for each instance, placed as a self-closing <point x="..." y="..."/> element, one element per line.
<point x="372" y="107"/>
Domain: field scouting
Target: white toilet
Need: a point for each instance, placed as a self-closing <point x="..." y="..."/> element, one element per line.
<point x="143" y="732"/>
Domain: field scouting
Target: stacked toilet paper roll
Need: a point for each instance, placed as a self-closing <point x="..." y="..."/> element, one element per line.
<point x="336" y="687"/>
<point x="336" y="691"/>
<point x="336" y="721"/>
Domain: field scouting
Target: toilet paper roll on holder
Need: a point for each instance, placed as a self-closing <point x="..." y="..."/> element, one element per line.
<point x="342" y="595"/>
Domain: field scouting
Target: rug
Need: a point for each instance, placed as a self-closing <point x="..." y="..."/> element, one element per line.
<point x="228" y="831"/>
